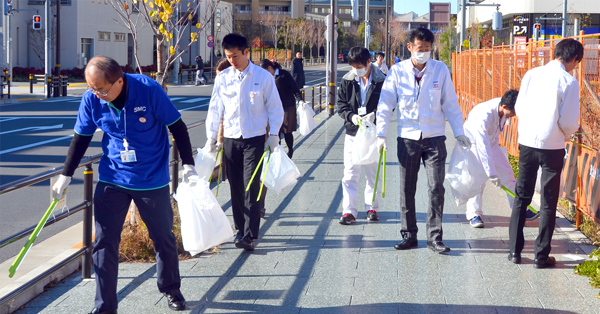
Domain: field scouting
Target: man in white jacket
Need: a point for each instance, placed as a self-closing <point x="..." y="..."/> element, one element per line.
<point x="548" y="111"/>
<point x="483" y="127"/>
<point x="423" y="91"/>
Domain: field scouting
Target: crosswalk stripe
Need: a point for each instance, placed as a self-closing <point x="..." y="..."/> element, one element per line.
<point x="194" y="100"/>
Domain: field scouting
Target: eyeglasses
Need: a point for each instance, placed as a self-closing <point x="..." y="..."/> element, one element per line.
<point x="99" y="93"/>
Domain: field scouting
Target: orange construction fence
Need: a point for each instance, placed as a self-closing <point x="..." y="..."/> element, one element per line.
<point x="482" y="74"/>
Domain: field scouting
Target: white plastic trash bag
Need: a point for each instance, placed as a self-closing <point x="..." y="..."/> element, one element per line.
<point x="281" y="171"/>
<point x="465" y="174"/>
<point x="307" y="121"/>
<point x="203" y="223"/>
<point x="205" y="163"/>
<point x="364" y="148"/>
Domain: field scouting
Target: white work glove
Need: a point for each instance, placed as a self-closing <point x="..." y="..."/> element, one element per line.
<point x="464" y="141"/>
<point x="381" y="143"/>
<point x="301" y="105"/>
<point x="496" y="181"/>
<point x="272" y="142"/>
<point x="355" y="119"/>
<point x="219" y="145"/>
<point x="211" y="145"/>
<point x="370" y="117"/>
<point x="188" y="172"/>
<point x="60" y="187"/>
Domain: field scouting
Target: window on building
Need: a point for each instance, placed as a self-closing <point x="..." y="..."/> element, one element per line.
<point x="345" y="11"/>
<point x="43" y="2"/>
<point x="87" y="51"/>
<point x="346" y="24"/>
<point x="120" y="37"/>
<point x="103" y="36"/>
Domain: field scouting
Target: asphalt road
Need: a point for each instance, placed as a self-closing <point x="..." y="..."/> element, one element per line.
<point x="35" y="137"/>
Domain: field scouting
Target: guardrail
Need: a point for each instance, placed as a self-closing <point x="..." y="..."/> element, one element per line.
<point x="86" y="206"/>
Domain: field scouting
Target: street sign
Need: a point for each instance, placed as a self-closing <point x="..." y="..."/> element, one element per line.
<point x="210" y="38"/>
<point x="210" y="44"/>
<point x="522" y="25"/>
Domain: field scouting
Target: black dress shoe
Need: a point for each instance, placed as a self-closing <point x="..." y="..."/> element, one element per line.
<point x="438" y="246"/>
<point x="238" y="237"/>
<point x="262" y="213"/>
<point x="406" y="243"/>
<point x="176" y="300"/>
<point x="550" y="261"/>
<point x="514" y="257"/>
<point x="97" y="311"/>
<point x="246" y="244"/>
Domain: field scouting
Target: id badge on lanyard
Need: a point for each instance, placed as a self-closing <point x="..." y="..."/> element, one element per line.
<point x="362" y="111"/>
<point x="126" y="155"/>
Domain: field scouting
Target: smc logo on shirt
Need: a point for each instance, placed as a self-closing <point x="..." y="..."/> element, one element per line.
<point x="140" y="108"/>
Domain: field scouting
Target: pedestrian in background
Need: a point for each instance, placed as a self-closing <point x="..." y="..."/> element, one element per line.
<point x="200" y="78"/>
<point x="358" y="97"/>
<point x="298" y="70"/>
<point x="246" y="97"/>
<point x="289" y="95"/>
<point x="483" y="127"/>
<point x="423" y="91"/>
<point x="134" y="113"/>
<point x="548" y="112"/>
<point x="379" y="57"/>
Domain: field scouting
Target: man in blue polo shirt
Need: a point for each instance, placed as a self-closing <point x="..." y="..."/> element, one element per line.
<point x="134" y="113"/>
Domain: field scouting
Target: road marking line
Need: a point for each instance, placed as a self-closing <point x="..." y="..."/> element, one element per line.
<point x="35" y="128"/>
<point x="194" y="100"/>
<point x="28" y="99"/>
<point x="57" y="100"/>
<point x="10" y="150"/>
<point x="8" y="119"/>
<point x="190" y="108"/>
<point x="39" y="117"/>
<point x="176" y="98"/>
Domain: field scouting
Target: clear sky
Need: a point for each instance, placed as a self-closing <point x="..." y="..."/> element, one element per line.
<point x="419" y="6"/>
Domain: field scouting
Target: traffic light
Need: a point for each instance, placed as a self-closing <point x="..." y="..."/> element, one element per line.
<point x="537" y="30"/>
<point x="7" y="5"/>
<point x="37" y="22"/>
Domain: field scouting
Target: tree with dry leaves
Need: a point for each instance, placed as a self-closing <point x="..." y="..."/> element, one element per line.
<point x="168" y="20"/>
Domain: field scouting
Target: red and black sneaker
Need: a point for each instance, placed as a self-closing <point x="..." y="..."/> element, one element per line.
<point x="372" y="215"/>
<point x="347" y="219"/>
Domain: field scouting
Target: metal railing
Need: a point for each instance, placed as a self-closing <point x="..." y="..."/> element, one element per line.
<point x="86" y="206"/>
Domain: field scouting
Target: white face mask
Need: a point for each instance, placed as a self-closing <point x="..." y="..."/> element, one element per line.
<point x="421" y="57"/>
<point x="360" y="72"/>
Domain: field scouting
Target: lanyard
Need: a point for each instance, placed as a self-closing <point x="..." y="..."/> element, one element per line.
<point x="125" y="143"/>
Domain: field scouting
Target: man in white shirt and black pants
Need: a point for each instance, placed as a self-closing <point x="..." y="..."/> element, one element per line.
<point x="548" y="112"/>
<point x="246" y="96"/>
<point x="423" y="90"/>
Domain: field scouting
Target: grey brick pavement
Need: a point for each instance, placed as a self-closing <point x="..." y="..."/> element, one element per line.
<point x="306" y="262"/>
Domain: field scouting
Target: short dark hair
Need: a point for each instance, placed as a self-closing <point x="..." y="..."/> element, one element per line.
<point x="380" y="54"/>
<point x="222" y="65"/>
<point x="509" y="99"/>
<point x="266" y="63"/>
<point x="567" y="49"/>
<point x="234" y="40"/>
<point x="358" y="55"/>
<point x="111" y="70"/>
<point x="421" y="34"/>
<point x="298" y="51"/>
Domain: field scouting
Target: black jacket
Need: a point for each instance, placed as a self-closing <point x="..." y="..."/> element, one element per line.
<point x="288" y="91"/>
<point x="349" y="97"/>
<point x="298" y="72"/>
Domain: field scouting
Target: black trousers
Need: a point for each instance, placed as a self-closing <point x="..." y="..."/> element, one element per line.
<point x="242" y="157"/>
<point x="530" y="159"/>
<point x="432" y="151"/>
<point x="111" y="204"/>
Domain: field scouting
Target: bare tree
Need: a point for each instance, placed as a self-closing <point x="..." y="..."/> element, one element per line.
<point x="166" y="19"/>
<point x="320" y="28"/>
<point x="38" y="38"/>
<point x="398" y="35"/>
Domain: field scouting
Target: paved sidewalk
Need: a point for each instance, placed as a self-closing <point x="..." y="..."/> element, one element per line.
<point x="306" y="262"/>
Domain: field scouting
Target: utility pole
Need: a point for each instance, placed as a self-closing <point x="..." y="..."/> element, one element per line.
<point x="47" y="47"/>
<point x="463" y="20"/>
<point x="367" y="25"/>
<point x="564" y="21"/>
<point x="387" y="33"/>
<point x="57" y="69"/>
<point x="331" y="99"/>
<point x="176" y="35"/>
